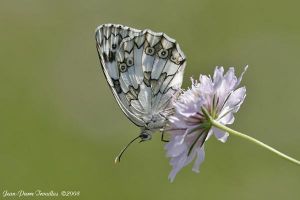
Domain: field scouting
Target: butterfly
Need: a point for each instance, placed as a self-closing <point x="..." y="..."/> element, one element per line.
<point x="144" y="70"/>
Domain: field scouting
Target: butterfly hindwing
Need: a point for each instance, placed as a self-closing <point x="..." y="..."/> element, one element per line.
<point x="145" y="70"/>
<point x="156" y="66"/>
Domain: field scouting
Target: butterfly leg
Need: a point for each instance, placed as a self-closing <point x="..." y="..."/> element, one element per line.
<point x="162" y="136"/>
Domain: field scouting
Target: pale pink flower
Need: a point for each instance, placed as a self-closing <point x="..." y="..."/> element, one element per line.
<point x="189" y="127"/>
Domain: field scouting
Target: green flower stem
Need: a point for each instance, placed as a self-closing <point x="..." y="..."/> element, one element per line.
<point x="251" y="139"/>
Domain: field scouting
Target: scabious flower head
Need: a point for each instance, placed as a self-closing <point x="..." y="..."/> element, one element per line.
<point x="189" y="127"/>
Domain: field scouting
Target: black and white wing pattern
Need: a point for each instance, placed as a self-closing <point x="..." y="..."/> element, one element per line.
<point x="144" y="70"/>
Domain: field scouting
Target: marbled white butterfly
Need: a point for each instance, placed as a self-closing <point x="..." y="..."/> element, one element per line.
<point x="144" y="70"/>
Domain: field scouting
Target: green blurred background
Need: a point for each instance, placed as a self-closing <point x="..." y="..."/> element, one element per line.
<point x="61" y="127"/>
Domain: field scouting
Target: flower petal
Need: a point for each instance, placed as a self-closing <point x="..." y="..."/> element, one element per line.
<point x="218" y="76"/>
<point x="199" y="159"/>
<point x="236" y="98"/>
<point x="226" y="117"/>
<point x="179" y="162"/>
<point x="241" y="76"/>
<point x="220" y="135"/>
<point x="206" y="85"/>
<point x="175" y="147"/>
<point x="230" y="79"/>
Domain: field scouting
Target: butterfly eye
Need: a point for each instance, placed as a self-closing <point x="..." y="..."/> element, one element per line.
<point x="163" y="53"/>
<point x="129" y="62"/>
<point x="145" y="136"/>
<point x="123" y="67"/>
<point x="150" y="51"/>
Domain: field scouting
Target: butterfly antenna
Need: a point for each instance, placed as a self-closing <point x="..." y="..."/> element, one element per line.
<point x="118" y="158"/>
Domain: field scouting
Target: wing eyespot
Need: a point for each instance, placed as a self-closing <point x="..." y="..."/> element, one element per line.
<point x="150" y="51"/>
<point x="163" y="53"/>
<point x="113" y="46"/>
<point x="123" y="67"/>
<point x="129" y="62"/>
<point x="174" y="59"/>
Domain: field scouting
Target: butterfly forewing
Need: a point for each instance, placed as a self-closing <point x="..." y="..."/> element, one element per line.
<point x="144" y="70"/>
<point x="108" y="40"/>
